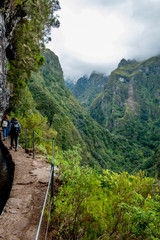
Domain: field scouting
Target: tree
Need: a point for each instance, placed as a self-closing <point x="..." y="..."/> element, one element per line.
<point x="35" y="18"/>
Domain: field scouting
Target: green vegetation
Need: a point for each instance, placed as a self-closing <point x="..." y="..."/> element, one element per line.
<point x="71" y="122"/>
<point x="102" y="202"/>
<point x="106" y="206"/>
<point x="130" y="147"/>
<point x="86" y="89"/>
<point x="35" y="21"/>
<point x="126" y="148"/>
<point x="129" y="108"/>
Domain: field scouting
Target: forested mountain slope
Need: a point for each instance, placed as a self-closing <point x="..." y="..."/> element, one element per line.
<point x="86" y="89"/>
<point x="88" y="205"/>
<point x="125" y="148"/>
<point x="130" y="106"/>
<point x="72" y="123"/>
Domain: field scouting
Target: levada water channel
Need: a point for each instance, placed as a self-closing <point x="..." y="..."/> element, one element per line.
<point x="6" y="175"/>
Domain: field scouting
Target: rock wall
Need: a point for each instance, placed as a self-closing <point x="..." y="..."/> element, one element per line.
<point x="8" y="21"/>
<point x="4" y="101"/>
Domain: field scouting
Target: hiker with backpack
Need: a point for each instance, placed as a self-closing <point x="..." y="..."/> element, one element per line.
<point x="5" y="127"/>
<point x="15" y="130"/>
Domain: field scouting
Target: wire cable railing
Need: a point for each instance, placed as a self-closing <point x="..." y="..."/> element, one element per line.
<point x="50" y="183"/>
<point x="44" y="205"/>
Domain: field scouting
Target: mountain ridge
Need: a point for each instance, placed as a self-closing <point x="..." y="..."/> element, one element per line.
<point x="67" y="116"/>
<point x="87" y="88"/>
<point x="129" y="105"/>
<point x="117" y="135"/>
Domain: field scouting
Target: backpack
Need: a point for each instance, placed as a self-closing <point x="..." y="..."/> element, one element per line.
<point x="4" y="123"/>
<point x="15" y="129"/>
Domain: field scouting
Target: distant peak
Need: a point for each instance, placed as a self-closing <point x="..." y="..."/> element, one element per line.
<point x="124" y="62"/>
<point x="97" y="73"/>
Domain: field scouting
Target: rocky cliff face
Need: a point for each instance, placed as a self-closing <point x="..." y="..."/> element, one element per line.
<point x="8" y="21"/>
<point x="3" y="68"/>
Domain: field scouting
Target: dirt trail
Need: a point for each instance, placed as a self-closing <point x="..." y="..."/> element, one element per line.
<point x="20" y="218"/>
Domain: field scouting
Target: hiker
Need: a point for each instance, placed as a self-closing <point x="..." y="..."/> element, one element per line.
<point x="5" y="127"/>
<point x="15" y="130"/>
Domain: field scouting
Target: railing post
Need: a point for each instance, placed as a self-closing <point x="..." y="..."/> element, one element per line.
<point x="25" y="134"/>
<point x="50" y="185"/>
<point x="52" y="169"/>
<point x="33" y="144"/>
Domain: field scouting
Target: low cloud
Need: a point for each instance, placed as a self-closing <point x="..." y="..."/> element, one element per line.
<point x="76" y="68"/>
<point x="96" y="34"/>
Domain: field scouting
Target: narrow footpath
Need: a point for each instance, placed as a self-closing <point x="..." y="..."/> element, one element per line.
<point x="20" y="217"/>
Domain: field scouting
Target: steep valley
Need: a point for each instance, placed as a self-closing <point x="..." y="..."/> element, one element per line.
<point x="129" y="107"/>
<point x="72" y="123"/>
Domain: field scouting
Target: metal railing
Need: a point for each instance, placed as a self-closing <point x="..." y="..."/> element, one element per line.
<point x="33" y="137"/>
<point x="50" y="184"/>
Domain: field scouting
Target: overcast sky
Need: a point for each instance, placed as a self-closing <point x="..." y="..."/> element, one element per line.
<point x="97" y="34"/>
